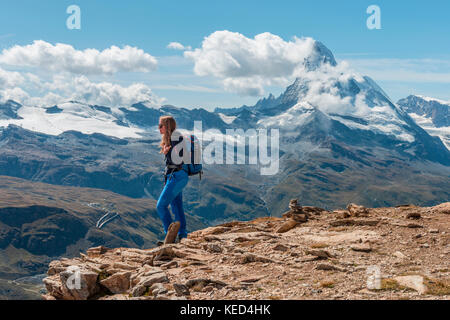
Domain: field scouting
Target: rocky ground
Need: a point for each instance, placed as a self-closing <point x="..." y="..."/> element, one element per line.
<point x="358" y="253"/>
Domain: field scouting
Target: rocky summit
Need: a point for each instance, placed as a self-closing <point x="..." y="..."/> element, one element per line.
<point x="397" y="252"/>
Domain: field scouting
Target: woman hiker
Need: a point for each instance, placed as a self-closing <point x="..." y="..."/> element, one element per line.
<point x="175" y="179"/>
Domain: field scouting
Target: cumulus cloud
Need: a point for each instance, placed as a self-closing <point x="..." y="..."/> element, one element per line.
<point x="62" y="89"/>
<point x="330" y="88"/>
<point x="106" y="93"/>
<point x="178" y="46"/>
<point x="247" y="65"/>
<point x="15" y="94"/>
<point x="61" y="74"/>
<point x="9" y="79"/>
<point x="65" y="58"/>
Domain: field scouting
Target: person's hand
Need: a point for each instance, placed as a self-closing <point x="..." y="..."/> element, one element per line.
<point x="166" y="149"/>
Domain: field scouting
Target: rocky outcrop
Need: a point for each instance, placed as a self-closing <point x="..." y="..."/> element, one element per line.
<point x="314" y="259"/>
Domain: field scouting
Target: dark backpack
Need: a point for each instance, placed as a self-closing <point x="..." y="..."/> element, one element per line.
<point x="195" y="166"/>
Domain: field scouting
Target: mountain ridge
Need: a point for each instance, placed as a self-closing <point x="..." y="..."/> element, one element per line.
<point x="329" y="115"/>
<point x="432" y="114"/>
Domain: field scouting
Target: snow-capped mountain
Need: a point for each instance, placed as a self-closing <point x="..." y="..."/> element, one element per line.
<point x="333" y="103"/>
<point x="325" y="92"/>
<point x="431" y="114"/>
<point x="135" y="121"/>
<point x="355" y="111"/>
<point x="342" y="140"/>
<point x="71" y="116"/>
<point x="8" y="110"/>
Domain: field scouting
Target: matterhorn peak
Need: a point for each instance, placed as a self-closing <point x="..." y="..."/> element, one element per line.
<point x="320" y="55"/>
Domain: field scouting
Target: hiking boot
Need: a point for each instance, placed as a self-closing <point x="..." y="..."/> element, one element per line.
<point x="172" y="232"/>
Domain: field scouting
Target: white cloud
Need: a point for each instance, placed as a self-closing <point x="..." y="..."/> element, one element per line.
<point x="10" y="79"/>
<point x="65" y="58"/>
<point x="327" y="88"/>
<point x="247" y="65"/>
<point x="15" y="94"/>
<point x="178" y="46"/>
<point x="62" y="89"/>
<point x="67" y="79"/>
<point x="106" y="93"/>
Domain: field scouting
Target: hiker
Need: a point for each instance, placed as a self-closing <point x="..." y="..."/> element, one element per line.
<point x="175" y="179"/>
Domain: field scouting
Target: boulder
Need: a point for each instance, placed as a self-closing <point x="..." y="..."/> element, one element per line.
<point x="147" y="281"/>
<point x="442" y="208"/>
<point x="181" y="289"/>
<point x="53" y="286"/>
<point x="118" y="282"/>
<point x="55" y="267"/>
<point x="413" y="215"/>
<point x="165" y="253"/>
<point x="288" y="225"/>
<point x="356" y="210"/>
<point x="158" y="289"/>
<point x="138" y="291"/>
<point x="97" y="251"/>
<point x="300" y="218"/>
<point x="341" y="214"/>
<point x="78" y="284"/>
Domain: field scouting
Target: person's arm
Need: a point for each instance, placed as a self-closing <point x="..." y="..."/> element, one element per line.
<point x="166" y="149"/>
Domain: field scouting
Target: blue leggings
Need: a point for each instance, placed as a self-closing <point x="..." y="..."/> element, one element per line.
<point x="172" y="194"/>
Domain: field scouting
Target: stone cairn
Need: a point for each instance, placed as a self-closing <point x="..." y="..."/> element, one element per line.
<point x="294" y="216"/>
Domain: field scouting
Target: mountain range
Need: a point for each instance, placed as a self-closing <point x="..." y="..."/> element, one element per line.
<point x="342" y="140"/>
<point x="431" y="114"/>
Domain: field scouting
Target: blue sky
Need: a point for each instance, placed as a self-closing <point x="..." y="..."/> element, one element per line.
<point x="409" y="55"/>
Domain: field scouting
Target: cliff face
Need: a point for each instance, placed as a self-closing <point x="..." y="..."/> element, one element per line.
<point x="309" y="253"/>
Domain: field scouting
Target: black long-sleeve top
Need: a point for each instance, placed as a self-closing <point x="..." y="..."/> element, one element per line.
<point x="168" y="157"/>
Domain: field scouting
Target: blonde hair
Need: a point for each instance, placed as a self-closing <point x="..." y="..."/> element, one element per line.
<point x="170" y="124"/>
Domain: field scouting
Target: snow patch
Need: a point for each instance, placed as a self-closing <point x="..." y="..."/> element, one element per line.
<point x="227" y="119"/>
<point x="429" y="99"/>
<point x="74" y="116"/>
<point x="427" y="124"/>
